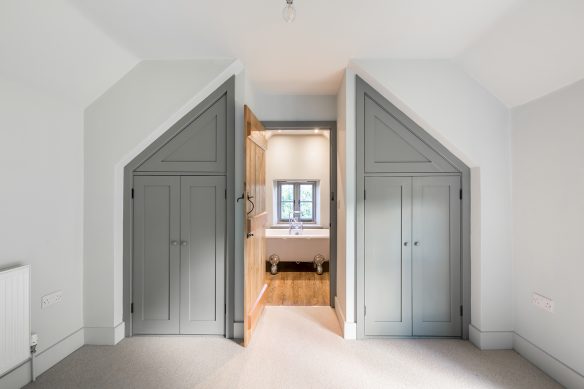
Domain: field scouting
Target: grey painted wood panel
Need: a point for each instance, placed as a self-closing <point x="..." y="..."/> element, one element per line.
<point x="390" y="146"/>
<point x="436" y="256"/>
<point x="388" y="269"/>
<point x="156" y="260"/>
<point x="200" y="146"/>
<point x="202" y="255"/>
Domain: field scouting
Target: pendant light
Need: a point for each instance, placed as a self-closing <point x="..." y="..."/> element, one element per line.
<point x="289" y="12"/>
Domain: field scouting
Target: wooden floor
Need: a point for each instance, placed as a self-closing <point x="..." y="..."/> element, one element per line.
<point x="298" y="288"/>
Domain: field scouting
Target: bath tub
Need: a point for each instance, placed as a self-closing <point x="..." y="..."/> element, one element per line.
<point x="297" y="248"/>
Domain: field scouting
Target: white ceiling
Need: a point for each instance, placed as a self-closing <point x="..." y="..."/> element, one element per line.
<point x="307" y="56"/>
<point x="534" y="50"/>
<point x="52" y="46"/>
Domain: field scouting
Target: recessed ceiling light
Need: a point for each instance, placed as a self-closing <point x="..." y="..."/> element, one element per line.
<point x="289" y="12"/>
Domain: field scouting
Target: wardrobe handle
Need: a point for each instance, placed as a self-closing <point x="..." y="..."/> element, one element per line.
<point x="183" y="243"/>
<point x="416" y="243"/>
<point x="174" y="242"/>
<point x="405" y="243"/>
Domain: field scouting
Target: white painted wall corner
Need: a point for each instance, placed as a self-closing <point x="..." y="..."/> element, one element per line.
<point x="491" y="340"/>
<point x="105" y="336"/>
<point x="348" y="329"/>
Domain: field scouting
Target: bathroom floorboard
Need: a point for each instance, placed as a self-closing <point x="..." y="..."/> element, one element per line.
<point x="298" y="288"/>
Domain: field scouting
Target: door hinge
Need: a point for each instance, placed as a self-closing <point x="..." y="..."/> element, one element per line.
<point x="225" y="194"/>
<point x="364" y="195"/>
<point x="132" y="308"/>
<point x="460" y="194"/>
<point x="365" y="310"/>
<point x="225" y="306"/>
<point x="132" y="192"/>
<point x="332" y="196"/>
<point x="461" y="310"/>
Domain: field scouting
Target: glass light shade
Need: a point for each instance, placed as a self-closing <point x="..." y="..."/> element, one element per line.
<point x="289" y="13"/>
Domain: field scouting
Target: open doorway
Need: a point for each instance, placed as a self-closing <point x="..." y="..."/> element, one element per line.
<point x="290" y="213"/>
<point x="301" y="223"/>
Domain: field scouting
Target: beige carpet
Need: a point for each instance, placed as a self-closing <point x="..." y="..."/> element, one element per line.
<point x="294" y="347"/>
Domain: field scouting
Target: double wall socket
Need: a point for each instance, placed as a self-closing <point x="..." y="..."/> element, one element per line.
<point x="542" y="302"/>
<point x="50" y="299"/>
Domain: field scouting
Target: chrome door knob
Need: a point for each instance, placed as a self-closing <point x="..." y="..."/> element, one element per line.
<point x="416" y="243"/>
<point x="174" y="242"/>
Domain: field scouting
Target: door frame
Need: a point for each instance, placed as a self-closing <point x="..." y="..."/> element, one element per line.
<point x="363" y="89"/>
<point x="227" y="89"/>
<point x="331" y="126"/>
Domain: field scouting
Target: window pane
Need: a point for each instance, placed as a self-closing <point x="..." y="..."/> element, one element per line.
<point x="306" y="210"/>
<point x="287" y="207"/>
<point x="306" y="192"/>
<point x="287" y="192"/>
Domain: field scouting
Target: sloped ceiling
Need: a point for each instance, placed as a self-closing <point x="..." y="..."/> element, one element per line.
<point x="519" y="50"/>
<point x="534" y="50"/>
<point x="52" y="46"/>
<point x="304" y="57"/>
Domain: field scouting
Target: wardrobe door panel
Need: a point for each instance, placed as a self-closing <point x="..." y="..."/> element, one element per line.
<point x="387" y="256"/>
<point x="156" y="255"/>
<point x="436" y="256"/>
<point x="202" y="302"/>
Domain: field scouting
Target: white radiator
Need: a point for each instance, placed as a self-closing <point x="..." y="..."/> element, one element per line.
<point x="14" y="317"/>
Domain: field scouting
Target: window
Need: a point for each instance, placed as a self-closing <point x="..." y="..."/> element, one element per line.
<point x="297" y="196"/>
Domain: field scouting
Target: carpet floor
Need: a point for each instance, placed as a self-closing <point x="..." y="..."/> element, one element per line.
<point x="294" y="347"/>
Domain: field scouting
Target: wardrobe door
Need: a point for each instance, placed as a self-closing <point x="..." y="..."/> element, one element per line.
<point x="202" y="305"/>
<point x="436" y="256"/>
<point x="156" y="255"/>
<point x="388" y="256"/>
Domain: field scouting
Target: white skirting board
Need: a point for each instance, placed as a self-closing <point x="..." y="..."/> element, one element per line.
<point x="498" y="340"/>
<point x="44" y="360"/>
<point x="348" y="329"/>
<point x="238" y="330"/>
<point x="491" y="340"/>
<point x="556" y="369"/>
<point x="105" y="336"/>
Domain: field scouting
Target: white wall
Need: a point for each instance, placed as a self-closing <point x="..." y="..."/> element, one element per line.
<point x="120" y="124"/>
<point x="292" y="107"/>
<point x="41" y="165"/>
<point x="346" y="191"/>
<point x="474" y="125"/>
<point x="299" y="157"/>
<point x="548" y="211"/>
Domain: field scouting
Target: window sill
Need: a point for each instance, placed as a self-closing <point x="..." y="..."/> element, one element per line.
<point x="305" y="226"/>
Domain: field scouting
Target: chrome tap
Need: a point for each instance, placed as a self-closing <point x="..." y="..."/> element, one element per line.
<point x="295" y="226"/>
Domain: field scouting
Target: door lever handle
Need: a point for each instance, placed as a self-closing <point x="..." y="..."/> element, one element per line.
<point x="249" y="234"/>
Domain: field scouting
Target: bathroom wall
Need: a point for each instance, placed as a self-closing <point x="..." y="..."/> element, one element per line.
<point x="297" y="157"/>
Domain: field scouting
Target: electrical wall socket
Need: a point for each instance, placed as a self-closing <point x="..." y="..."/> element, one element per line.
<point x="50" y="299"/>
<point x="542" y="302"/>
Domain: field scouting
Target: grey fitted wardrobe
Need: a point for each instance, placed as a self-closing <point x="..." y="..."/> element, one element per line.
<point x="409" y="226"/>
<point x="180" y="218"/>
